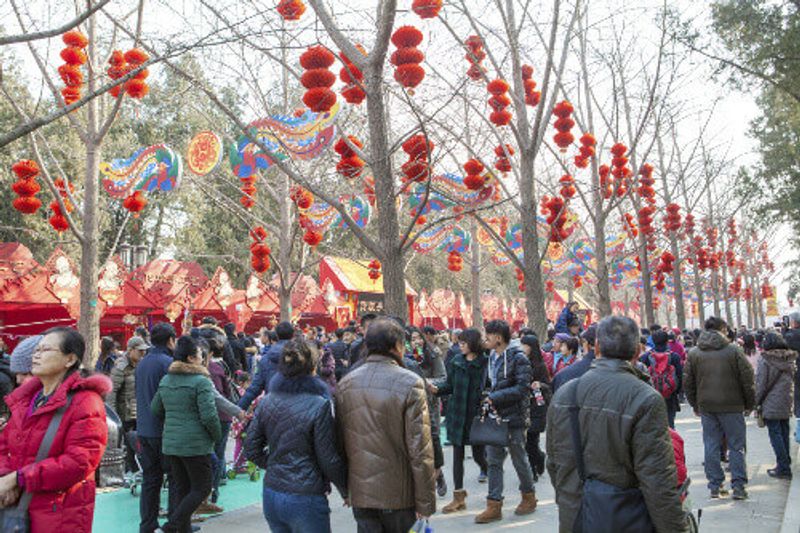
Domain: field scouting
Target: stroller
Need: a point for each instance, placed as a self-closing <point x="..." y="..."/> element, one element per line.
<point x="240" y="464"/>
<point x="133" y="480"/>
<point x="694" y="521"/>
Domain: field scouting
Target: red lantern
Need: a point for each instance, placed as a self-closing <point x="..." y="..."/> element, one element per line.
<point x="317" y="79"/>
<point x="563" y="139"/>
<point x="426" y="9"/>
<point x="259" y="250"/>
<point x="135" y="203"/>
<point x="291" y="9"/>
<point x="26" y="187"/>
<point x="473" y="180"/>
<point x="312" y="238"/>
<point x="454" y="261"/>
<point x="407" y="58"/>
<point x="350" y="165"/>
<point x="374" y="270"/>
<point x="417" y="168"/>
<point x="499" y="102"/>
<point x="352" y="77"/>
<point x="475" y="55"/>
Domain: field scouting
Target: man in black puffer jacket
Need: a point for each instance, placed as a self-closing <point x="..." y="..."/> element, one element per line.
<point x="510" y="376"/>
<point x="295" y="423"/>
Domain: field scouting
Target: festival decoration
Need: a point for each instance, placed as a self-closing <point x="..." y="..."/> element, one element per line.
<point x="302" y="198"/>
<point x="577" y="281"/>
<point x="498" y="102"/>
<point x="150" y="169"/>
<point x="520" y="279"/>
<point x="58" y="221"/>
<point x="426" y="9"/>
<point x="204" y="153"/>
<point x="317" y="79"/>
<point x="630" y="226"/>
<point x="407" y="57"/>
<point x="532" y="96"/>
<point x="312" y="238"/>
<point x="672" y="221"/>
<point x="620" y="170"/>
<point x="475" y="56"/>
<point x="74" y="58"/>
<point x="259" y="250"/>
<point x="135" y="203"/>
<point x="568" y="189"/>
<point x="291" y="9"/>
<point x="301" y="137"/>
<point x="563" y="124"/>
<point x="587" y="150"/>
<point x="454" y="261"/>
<point x="137" y="87"/>
<point x="606" y="184"/>
<point x="374" y="270"/>
<point x="350" y="165"/>
<point x="473" y="180"/>
<point x="26" y="187"/>
<point x="417" y="168"/>
<point x="555" y="208"/>
<point x="352" y="77"/>
<point x="503" y="152"/>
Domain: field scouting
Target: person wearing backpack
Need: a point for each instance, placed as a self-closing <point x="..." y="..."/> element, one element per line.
<point x="666" y="373"/>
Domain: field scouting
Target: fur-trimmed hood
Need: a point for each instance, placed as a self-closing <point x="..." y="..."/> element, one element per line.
<point x="780" y="359"/>
<point x="181" y="367"/>
<point x="298" y="385"/>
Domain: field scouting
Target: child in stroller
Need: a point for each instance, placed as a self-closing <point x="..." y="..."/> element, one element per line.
<point x="239" y="430"/>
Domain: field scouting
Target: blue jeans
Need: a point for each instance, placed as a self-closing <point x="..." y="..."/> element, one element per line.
<point x="296" y="513"/>
<point x="779" y="438"/>
<point x="219" y="453"/>
<point x="496" y="456"/>
<point x="732" y="427"/>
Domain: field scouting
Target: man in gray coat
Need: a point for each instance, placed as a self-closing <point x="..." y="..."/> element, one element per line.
<point x="623" y="432"/>
<point x="720" y="387"/>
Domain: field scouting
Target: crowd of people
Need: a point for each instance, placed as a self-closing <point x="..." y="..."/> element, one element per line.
<point x="368" y="409"/>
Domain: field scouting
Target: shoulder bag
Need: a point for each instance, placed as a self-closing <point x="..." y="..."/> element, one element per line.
<point x="605" y="508"/>
<point x="16" y="519"/>
<point x="488" y="428"/>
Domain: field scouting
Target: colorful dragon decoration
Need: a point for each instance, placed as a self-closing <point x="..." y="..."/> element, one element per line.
<point x="150" y="169"/>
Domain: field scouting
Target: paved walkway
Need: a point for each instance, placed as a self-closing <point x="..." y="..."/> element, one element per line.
<point x="763" y="513"/>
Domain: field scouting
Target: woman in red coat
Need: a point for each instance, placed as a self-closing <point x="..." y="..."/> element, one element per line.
<point x="62" y="484"/>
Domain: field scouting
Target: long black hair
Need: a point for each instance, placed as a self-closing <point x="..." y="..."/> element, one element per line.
<point x="535" y="357"/>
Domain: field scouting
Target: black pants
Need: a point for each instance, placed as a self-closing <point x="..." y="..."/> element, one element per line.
<point x="154" y="467"/>
<point x="384" y="521"/>
<point x="478" y="455"/>
<point x="130" y="461"/>
<point x="535" y="454"/>
<point x="193" y="480"/>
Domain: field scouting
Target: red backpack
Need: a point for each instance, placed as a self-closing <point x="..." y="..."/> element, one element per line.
<point x="665" y="379"/>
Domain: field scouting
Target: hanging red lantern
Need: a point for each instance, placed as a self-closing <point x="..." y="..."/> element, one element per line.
<point x="503" y="153"/>
<point x="317" y="79"/>
<point x="473" y="180"/>
<point x="74" y="57"/>
<point x="136" y="87"/>
<point x="426" y="9"/>
<point x="418" y="148"/>
<point x="587" y="150"/>
<point x="577" y="281"/>
<point x="475" y="56"/>
<point x="498" y="102"/>
<point x="353" y="78"/>
<point x="291" y="9"/>
<point x="407" y="58"/>
<point x="259" y="250"/>
<point x="568" y="189"/>
<point x="532" y="96"/>
<point x="135" y="203"/>
<point x="26" y="187"/>
<point x="454" y="261"/>
<point x="563" y="124"/>
<point x="374" y="270"/>
<point x="550" y="286"/>
<point x="350" y="165"/>
<point x="312" y="238"/>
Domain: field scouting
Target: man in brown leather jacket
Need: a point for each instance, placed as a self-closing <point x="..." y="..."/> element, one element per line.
<point x="384" y="423"/>
<point x="623" y="429"/>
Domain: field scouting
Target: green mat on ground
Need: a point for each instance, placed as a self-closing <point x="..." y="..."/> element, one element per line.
<point x="118" y="511"/>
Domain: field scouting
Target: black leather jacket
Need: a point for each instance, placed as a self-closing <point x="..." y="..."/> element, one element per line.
<point x="293" y="438"/>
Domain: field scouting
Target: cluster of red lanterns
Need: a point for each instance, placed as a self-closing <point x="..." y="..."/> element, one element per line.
<point x="291" y="9"/>
<point x="426" y="9"/>
<point x="629" y="223"/>
<point x="766" y="290"/>
<point x="312" y="237"/>
<point x="733" y="233"/>
<point x="474" y="180"/>
<point x="26" y="187"/>
<point x="747" y="294"/>
<point x="665" y="266"/>
<point x="563" y="124"/>
<point x="503" y="152"/>
<point x="475" y="56"/>
<point x="74" y="57"/>
<point x="374" y="270"/>
<point x="577" y="281"/>
<point x="520" y="279"/>
<point x="703" y="258"/>
<point x="646" y="182"/>
<point x="352" y="78"/>
<point x="407" y="57"/>
<point x="454" y="261"/>
<point x="712" y="235"/>
<point x="568" y="189"/>
<point x="532" y="96"/>
<point x="556" y="210"/>
<point x="120" y="64"/>
<point x="318" y="79"/>
<point x="248" y="188"/>
<point x="549" y="286"/>
<point x="730" y="258"/>
<point x="606" y="183"/>
<point x="688" y="225"/>
<point x="498" y="102"/>
<point x="350" y="165"/>
<point x="135" y="203"/>
<point x="588" y="143"/>
<point x="672" y="221"/>
<point x="620" y="169"/>
<point x="645" y="219"/>
<point x="259" y="250"/>
<point x="301" y="197"/>
<point x="418" y="148"/>
<point x="59" y="221"/>
<point x="735" y="288"/>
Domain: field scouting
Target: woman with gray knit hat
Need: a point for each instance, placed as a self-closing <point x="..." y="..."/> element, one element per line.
<point x="22" y="358"/>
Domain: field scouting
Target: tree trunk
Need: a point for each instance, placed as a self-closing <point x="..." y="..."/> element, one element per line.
<point x="534" y="291"/>
<point x="738" y="311"/>
<point x="285" y="300"/>
<point x="394" y="286"/>
<point x="677" y="282"/>
<point x="475" y="271"/>
<point x="725" y="295"/>
<point x="698" y="287"/>
<point x="647" y="288"/>
<point x="715" y="292"/>
<point x="89" y="322"/>
<point x="285" y="247"/>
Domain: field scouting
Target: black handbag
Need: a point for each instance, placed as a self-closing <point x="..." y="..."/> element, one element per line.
<point x="16" y="519"/>
<point x="605" y="508"/>
<point x="488" y="429"/>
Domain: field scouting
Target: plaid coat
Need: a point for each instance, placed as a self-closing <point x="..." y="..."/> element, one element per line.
<point x="463" y="384"/>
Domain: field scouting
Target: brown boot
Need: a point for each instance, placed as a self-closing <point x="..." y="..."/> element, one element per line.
<point x="493" y="512"/>
<point x="209" y="508"/>
<point x="458" y="504"/>
<point x="527" y="505"/>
